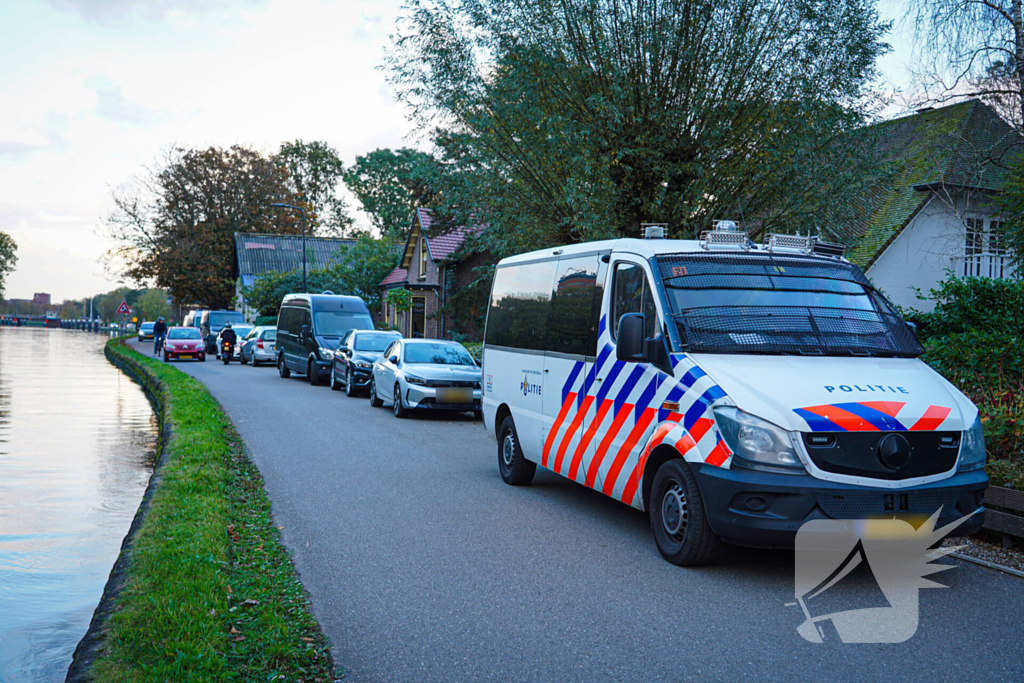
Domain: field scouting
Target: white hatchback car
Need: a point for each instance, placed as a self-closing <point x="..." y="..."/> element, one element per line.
<point x="428" y="374"/>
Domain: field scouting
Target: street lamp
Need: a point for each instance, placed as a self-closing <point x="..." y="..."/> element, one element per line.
<point x="303" y="212"/>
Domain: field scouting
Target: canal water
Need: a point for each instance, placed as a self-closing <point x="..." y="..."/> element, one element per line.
<point x="77" y="442"/>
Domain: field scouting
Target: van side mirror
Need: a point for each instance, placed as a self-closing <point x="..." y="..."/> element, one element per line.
<point x="303" y="331"/>
<point x="629" y="342"/>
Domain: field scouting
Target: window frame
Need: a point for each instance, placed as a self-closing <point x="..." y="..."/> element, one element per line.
<point x="423" y="258"/>
<point x="645" y="268"/>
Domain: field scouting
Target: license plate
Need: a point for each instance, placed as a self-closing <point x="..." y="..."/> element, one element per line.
<point x="273" y="348"/>
<point x="187" y="356"/>
<point x="454" y="395"/>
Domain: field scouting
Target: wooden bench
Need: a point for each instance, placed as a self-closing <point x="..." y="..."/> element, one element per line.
<point x="1003" y="522"/>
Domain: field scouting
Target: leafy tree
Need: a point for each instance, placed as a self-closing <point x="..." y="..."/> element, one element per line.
<point x="1011" y="204"/>
<point x="108" y="305"/>
<point x="577" y="120"/>
<point x="151" y="305"/>
<point x="316" y="170"/>
<point x="391" y="185"/>
<point x="399" y="299"/>
<point x="175" y="225"/>
<point x="8" y="258"/>
<point x="972" y="48"/>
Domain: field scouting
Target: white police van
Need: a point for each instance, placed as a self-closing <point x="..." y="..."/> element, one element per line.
<point x="734" y="390"/>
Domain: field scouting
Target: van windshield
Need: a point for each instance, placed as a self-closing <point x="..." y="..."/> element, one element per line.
<point x="218" y="318"/>
<point x="771" y="304"/>
<point x="337" y="323"/>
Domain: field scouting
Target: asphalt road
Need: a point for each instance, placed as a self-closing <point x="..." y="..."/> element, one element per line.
<point x="424" y="566"/>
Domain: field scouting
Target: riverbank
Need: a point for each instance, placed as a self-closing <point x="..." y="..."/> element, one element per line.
<point x="204" y="589"/>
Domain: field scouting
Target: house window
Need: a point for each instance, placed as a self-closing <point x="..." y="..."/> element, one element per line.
<point x="996" y="241"/>
<point x="418" y="318"/>
<point x="975" y="235"/>
<point x="423" y="258"/>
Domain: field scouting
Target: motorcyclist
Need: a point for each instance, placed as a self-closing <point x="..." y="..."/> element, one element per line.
<point x="228" y="336"/>
<point x="159" y="333"/>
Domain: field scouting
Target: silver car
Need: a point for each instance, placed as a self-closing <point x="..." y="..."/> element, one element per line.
<point x="258" y="346"/>
<point x="427" y="374"/>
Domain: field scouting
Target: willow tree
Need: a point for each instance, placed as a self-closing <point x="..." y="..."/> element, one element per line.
<point x="570" y="120"/>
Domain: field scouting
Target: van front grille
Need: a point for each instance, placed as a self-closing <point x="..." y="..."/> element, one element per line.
<point x="857" y="453"/>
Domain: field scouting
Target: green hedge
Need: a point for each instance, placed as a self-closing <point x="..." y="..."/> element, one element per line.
<point x="975" y="338"/>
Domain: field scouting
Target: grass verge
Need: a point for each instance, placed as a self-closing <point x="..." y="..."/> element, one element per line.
<point x="209" y="593"/>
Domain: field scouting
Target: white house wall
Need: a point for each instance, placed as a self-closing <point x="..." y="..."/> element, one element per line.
<point x="921" y="255"/>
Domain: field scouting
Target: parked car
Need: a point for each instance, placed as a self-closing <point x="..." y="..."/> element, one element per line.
<point x="258" y="346"/>
<point x="146" y="331"/>
<point x="309" y="327"/>
<point x="428" y="374"/>
<point x="241" y="330"/>
<point x="353" y="362"/>
<point x="211" y="323"/>
<point x="184" y="343"/>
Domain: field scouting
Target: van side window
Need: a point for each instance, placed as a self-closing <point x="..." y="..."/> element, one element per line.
<point x="633" y="295"/>
<point x="572" y="323"/>
<point x="520" y="304"/>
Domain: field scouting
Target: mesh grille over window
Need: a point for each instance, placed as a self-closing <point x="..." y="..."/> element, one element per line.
<point x="771" y="304"/>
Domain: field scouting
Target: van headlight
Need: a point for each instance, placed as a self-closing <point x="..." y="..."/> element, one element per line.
<point x="757" y="444"/>
<point x="326" y="353"/>
<point x="972" y="452"/>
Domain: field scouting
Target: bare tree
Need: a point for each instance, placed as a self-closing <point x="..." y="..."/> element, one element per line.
<point x="974" y="48"/>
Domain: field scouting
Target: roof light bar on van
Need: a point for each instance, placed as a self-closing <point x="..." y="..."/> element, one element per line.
<point x="722" y="239"/>
<point x="654" y="231"/>
<point x="828" y="249"/>
<point x="790" y="243"/>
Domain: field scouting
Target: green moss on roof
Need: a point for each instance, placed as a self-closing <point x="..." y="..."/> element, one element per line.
<point x="963" y="145"/>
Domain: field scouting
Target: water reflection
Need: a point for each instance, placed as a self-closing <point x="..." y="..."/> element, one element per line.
<point x="77" y="440"/>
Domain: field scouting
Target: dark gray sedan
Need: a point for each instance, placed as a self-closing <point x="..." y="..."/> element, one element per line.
<point x="353" y="362"/>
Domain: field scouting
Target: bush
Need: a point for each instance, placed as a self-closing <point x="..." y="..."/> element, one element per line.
<point x="266" y="321"/>
<point x="973" y="304"/>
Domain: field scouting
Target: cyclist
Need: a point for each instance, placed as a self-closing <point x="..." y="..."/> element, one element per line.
<point x="159" y="333"/>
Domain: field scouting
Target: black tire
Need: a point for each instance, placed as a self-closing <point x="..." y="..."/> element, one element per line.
<point x="312" y="373"/>
<point x="478" y="414"/>
<point x="678" y="519"/>
<point x="397" y="405"/>
<point x="241" y="358"/>
<point x="226" y="359"/>
<point x="282" y="369"/>
<point x="375" y="401"/>
<point x="335" y="384"/>
<point x="515" y="469"/>
<point x="350" y="389"/>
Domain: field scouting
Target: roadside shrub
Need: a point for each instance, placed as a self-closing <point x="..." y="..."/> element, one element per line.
<point x="973" y="304"/>
<point x="989" y="368"/>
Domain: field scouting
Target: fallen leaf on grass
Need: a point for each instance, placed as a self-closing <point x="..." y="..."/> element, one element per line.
<point x="229" y="589"/>
<point x="250" y="601"/>
<point x="234" y="631"/>
<point x="310" y="640"/>
<point x="238" y="639"/>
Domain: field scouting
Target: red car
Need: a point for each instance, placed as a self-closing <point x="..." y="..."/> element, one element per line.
<point x="184" y="343"/>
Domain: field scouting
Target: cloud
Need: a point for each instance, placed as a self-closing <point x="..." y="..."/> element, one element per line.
<point x="112" y="105"/>
<point x="111" y="12"/>
<point x="48" y="134"/>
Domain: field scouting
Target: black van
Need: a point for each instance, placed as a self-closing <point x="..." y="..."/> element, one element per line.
<point x="309" y="327"/>
<point x="211" y="324"/>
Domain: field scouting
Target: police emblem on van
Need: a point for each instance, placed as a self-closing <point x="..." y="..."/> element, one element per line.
<point x="529" y="387"/>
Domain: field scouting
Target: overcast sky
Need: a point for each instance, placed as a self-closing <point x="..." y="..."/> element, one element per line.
<point x="93" y="90"/>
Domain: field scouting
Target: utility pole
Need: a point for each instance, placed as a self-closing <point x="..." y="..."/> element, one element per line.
<point x="303" y="212"/>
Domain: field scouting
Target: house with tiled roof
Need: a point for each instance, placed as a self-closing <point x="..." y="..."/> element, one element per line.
<point x="258" y="254"/>
<point x="432" y="268"/>
<point x="935" y="214"/>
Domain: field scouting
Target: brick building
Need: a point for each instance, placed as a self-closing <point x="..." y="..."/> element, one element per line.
<point x="432" y="269"/>
<point x="41" y="298"/>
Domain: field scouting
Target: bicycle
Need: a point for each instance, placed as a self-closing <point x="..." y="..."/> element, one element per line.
<point x="158" y="345"/>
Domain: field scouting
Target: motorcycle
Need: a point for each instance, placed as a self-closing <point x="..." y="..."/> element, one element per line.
<point x="225" y="351"/>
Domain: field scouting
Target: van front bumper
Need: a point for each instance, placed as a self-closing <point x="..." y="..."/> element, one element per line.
<point x="765" y="510"/>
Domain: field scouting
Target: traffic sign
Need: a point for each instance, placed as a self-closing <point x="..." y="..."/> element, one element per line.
<point x="123" y="308"/>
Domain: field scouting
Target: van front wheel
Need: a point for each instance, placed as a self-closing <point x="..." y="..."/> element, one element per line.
<point x="514" y="467"/>
<point x="678" y="519"/>
<point x="282" y="369"/>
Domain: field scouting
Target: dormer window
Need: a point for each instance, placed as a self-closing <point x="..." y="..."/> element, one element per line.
<point x="423" y="258"/>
